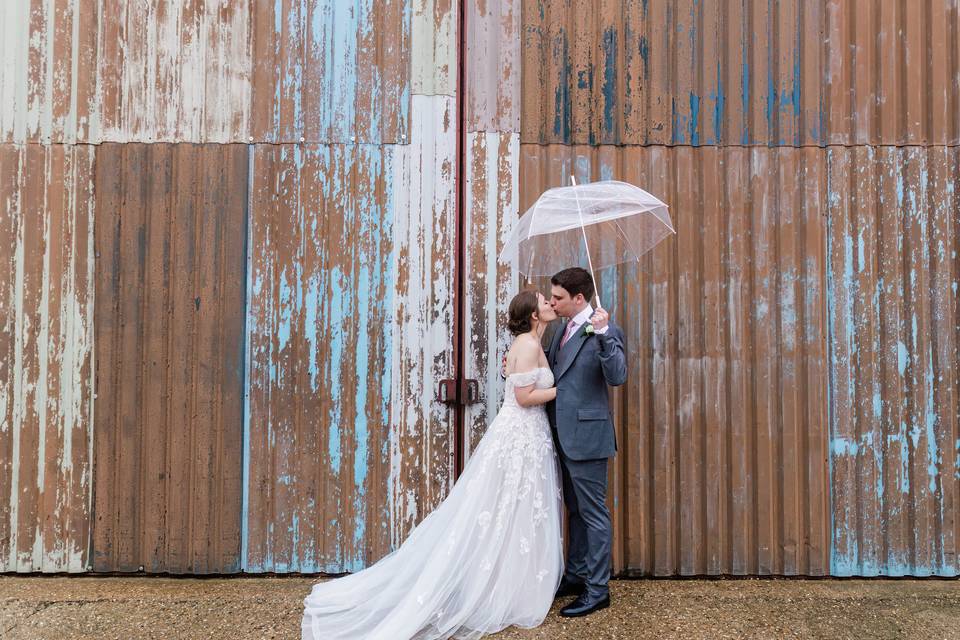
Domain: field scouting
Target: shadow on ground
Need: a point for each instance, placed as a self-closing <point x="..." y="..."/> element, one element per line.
<point x="240" y="608"/>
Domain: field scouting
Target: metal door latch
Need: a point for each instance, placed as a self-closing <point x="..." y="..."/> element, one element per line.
<point x="467" y="392"/>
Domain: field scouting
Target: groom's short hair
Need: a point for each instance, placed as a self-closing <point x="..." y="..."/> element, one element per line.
<point x="575" y="280"/>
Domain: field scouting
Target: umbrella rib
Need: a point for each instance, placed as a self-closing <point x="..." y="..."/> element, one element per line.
<point x="562" y="198"/>
<point x="627" y="238"/>
<point x="577" y="225"/>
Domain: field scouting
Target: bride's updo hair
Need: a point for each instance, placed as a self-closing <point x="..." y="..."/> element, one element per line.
<point x="523" y="305"/>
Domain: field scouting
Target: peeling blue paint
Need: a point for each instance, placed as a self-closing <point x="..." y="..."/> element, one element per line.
<point x="901" y="440"/>
<point x="718" y="104"/>
<point x="771" y="102"/>
<point x="903" y="358"/>
<point x="610" y="102"/>
<point x="745" y="91"/>
<point x="337" y="316"/>
<point x="906" y="460"/>
<point x="644" y="48"/>
<point x="562" y="107"/>
<point x="694" y="120"/>
<point x="342" y="27"/>
<point x="336" y="304"/>
<point x="931" y="423"/>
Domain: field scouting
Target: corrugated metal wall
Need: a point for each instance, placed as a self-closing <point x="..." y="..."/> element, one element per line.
<point x="894" y="217"/>
<point x="357" y="101"/>
<point x="263" y="323"/>
<point x="741" y="72"/>
<point x="169" y="357"/>
<point x="46" y="356"/>
<point x="792" y="404"/>
<point x="722" y="465"/>
<point x="351" y="293"/>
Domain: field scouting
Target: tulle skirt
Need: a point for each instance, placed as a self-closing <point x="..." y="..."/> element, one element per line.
<point x="488" y="557"/>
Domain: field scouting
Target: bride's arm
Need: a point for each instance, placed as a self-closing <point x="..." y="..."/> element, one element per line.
<point x="529" y="396"/>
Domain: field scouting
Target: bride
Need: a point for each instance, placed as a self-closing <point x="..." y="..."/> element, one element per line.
<point x="490" y="555"/>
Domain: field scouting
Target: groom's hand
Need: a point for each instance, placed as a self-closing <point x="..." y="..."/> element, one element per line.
<point x="599" y="319"/>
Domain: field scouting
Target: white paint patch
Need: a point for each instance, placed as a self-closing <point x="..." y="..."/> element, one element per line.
<point x="180" y="73"/>
<point x="424" y="192"/>
<point x="501" y="202"/>
<point x="434" y="49"/>
<point x="54" y="399"/>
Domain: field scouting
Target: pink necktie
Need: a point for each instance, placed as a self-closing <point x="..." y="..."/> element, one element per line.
<point x="571" y="326"/>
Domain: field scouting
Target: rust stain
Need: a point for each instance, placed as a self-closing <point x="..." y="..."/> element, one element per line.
<point x="893" y="357"/>
<point x="169" y="339"/>
<point x="697" y="73"/>
<point x="46" y="348"/>
<point x="722" y="465"/>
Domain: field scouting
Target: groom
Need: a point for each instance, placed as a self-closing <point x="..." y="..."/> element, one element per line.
<point x="585" y="357"/>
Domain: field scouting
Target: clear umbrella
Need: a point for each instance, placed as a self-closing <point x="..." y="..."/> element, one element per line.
<point x="598" y="224"/>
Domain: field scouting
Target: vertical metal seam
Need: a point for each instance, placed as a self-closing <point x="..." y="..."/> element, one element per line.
<point x="169" y="346"/>
<point x="829" y="360"/>
<point x="728" y="359"/>
<point x="459" y="312"/>
<point x="245" y="381"/>
<point x="92" y="264"/>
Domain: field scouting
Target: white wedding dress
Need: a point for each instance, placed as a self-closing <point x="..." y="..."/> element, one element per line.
<point x="488" y="557"/>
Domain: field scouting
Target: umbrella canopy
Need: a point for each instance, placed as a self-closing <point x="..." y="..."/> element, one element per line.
<point x="598" y="224"/>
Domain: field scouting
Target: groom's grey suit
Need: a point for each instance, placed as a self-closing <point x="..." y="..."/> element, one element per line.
<point x="583" y="430"/>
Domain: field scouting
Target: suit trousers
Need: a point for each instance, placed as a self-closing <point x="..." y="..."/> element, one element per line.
<point x="590" y="530"/>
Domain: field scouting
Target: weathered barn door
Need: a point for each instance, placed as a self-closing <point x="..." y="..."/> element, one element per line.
<point x="791" y="406"/>
<point x="350" y="292"/>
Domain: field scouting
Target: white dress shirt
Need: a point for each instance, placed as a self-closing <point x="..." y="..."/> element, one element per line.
<point x="581" y="319"/>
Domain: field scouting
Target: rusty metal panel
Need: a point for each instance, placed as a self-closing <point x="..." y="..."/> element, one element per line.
<point x="422" y="438"/>
<point x="892" y="73"/>
<point x="170" y="234"/>
<point x="434" y="35"/>
<point x="331" y="70"/>
<point x="319" y="326"/>
<point x="492" y="206"/>
<point x="290" y="71"/>
<point x="493" y="66"/>
<point x="48" y="78"/>
<point x="46" y="352"/>
<point x="173" y="72"/>
<point x="741" y="72"/>
<point x="349" y="324"/>
<point x="91" y="71"/>
<point x="723" y="428"/>
<point x="895" y="348"/>
<point x="490" y="157"/>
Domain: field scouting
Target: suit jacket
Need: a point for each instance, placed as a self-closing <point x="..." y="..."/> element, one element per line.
<point x="582" y="369"/>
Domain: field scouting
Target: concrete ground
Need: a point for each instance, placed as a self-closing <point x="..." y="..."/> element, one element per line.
<point x="241" y="608"/>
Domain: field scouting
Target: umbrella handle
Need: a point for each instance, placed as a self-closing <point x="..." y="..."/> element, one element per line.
<point x="596" y="294"/>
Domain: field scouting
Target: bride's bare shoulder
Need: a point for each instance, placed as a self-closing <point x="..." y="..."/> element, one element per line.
<point x="524" y="344"/>
<point x="524" y="353"/>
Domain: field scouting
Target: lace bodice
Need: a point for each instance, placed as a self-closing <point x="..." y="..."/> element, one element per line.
<point x="541" y="376"/>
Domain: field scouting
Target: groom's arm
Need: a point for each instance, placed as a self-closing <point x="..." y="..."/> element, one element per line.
<point x="613" y="360"/>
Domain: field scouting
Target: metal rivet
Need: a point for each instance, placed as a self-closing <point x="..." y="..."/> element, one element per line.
<point x="301" y="138"/>
<point x="251" y="138"/>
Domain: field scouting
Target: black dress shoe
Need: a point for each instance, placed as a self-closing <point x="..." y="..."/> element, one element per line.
<point x="570" y="589"/>
<point x="585" y="605"/>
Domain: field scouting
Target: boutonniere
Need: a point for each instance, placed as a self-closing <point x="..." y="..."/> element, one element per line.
<point x="588" y="330"/>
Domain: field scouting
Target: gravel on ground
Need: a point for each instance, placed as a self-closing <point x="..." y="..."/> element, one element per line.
<point x="66" y="608"/>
